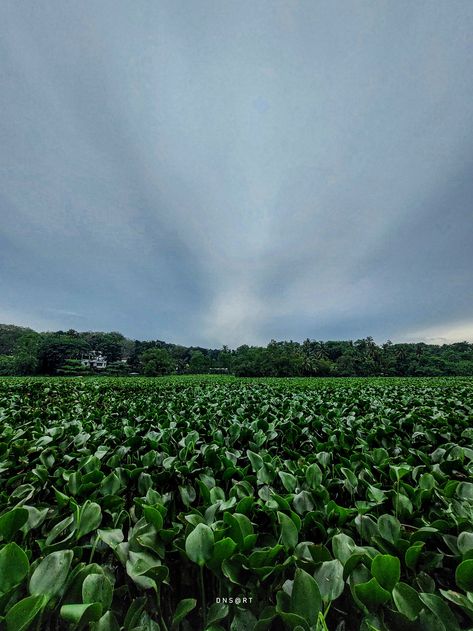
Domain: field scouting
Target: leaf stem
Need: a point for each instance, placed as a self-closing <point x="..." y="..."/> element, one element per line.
<point x="202" y="593"/>
<point x="92" y="552"/>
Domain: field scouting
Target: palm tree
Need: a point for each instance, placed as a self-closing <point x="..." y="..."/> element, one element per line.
<point x="320" y="351"/>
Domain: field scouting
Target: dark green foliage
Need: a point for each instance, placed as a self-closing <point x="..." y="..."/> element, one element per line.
<point x="73" y="367"/>
<point x="10" y="337"/>
<point x="155" y="362"/>
<point x="55" y="348"/>
<point x="24" y="352"/>
<point x="135" y="504"/>
<point x="8" y="365"/>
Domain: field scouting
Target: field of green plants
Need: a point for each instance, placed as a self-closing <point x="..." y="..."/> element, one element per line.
<point x="166" y="504"/>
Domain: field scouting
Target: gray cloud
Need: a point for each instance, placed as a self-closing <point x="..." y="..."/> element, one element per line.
<point x="216" y="173"/>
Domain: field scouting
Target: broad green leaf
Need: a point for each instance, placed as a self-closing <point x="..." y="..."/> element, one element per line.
<point x="217" y="612"/>
<point x="184" y="607"/>
<point x="343" y="547"/>
<point x="153" y="516"/>
<point x="403" y="505"/>
<point x="412" y="554"/>
<point x="14" y="567"/>
<point x="407" y="600"/>
<point x="111" y="537"/>
<point x="223" y="549"/>
<point x="60" y="529"/>
<point x="265" y="619"/>
<point x="387" y="570"/>
<point x="134" y="612"/>
<point x="75" y="580"/>
<point x="145" y="569"/>
<point x="289" y="481"/>
<point x="97" y="588"/>
<point x="427" y="482"/>
<point x="11" y="522"/>
<point x="367" y="527"/>
<point x="264" y="556"/>
<point x="187" y="494"/>
<point x="240" y="527"/>
<point x="399" y="472"/>
<point x="90" y="516"/>
<point x="464" y="575"/>
<point x="441" y="610"/>
<point x="305" y="598"/>
<point x="289" y="534"/>
<point x="377" y="495"/>
<point x="465" y="490"/>
<point x="313" y="476"/>
<point x="293" y="621"/>
<point x="232" y="569"/>
<point x="82" y="614"/>
<point x="389" y="528"/>
<point x="465" y="542"/>
<point x="353" y="562"/>
<point x="459" y="599"/>
<point x="35" y="517"/>
<point x="329" y="577"/>
<point x="303" y="502"/>
<point x="371" y="594"/>
<point x="50" y="575"/>
<point x="22" y="614"/>
<point x="107" y="622"/>
<point x="243" y="620"/>
<point x="256" y="460"/>
<point x="200" y="544"/>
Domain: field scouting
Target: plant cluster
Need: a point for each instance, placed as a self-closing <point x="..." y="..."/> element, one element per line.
<point x="158" y="505"/>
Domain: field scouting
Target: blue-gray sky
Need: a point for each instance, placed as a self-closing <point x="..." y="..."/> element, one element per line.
<point x="211" y="172"/>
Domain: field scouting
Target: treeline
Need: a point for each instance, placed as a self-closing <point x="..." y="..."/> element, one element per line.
<point x="27" y="352"/>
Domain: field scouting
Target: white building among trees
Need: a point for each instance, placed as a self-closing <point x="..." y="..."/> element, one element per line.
<point x="95" y="360"/>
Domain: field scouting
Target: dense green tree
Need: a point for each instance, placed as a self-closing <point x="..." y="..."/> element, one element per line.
<point x="25" y="352"/>
<point x="113" y="345"/>
<point x="315" y="359"/>
<point x="8" y="365"/>
<point x="198" y="362"/>
<point x="225" y="358"/>
<point x="10" y="336"/>
<point x="55" y="348"/>
<point x="117" y="368"/>
<point x="74" y="367"/>
<point x="283" y="359"/>
<point x="250" y="361"/>
<point x="155" y="362"/>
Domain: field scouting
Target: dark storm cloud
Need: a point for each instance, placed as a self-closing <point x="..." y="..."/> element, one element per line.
<point x="230" y="172"/>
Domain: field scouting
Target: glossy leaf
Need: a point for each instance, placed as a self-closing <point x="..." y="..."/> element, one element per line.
<point x="464" y="575"/>
<point x="200" y="544"/>
<point x="50" y="575"/>
<point x="289" y="534"/>
<point x="305" y="598"/>
<point x="407" y="600"/>
<point x="371" y="594"/>
<point x="22" y="614"/>
<point x="14" y="567"/>
<point x="387" y="570"/>
<point x="11" y="522"/>
<point x="329" y="578"/>
<point x="81" y="614"/>
<point x="184" y="607"/>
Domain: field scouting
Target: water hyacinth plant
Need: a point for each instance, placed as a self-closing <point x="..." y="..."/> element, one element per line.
<point x="179" y="504"/>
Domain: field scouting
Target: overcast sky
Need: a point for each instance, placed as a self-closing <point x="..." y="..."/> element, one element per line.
<point x="227" y="172"/>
